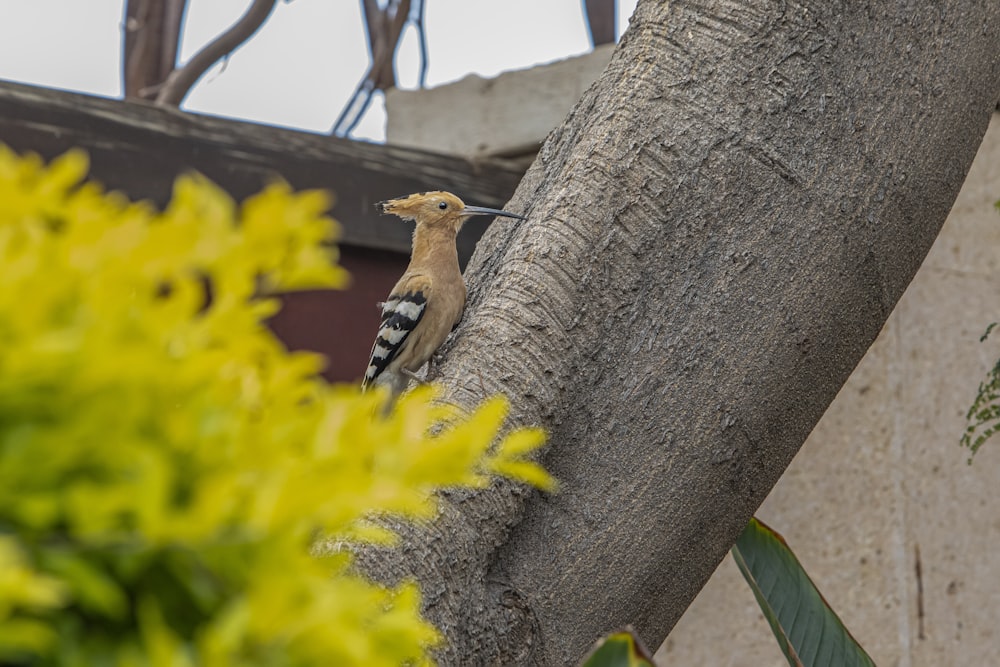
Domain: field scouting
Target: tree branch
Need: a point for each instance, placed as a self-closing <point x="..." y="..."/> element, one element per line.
<point x="151" y="37"/>
<point x="383" y="29"/>
<point x="600" y="16"/>
<point x="181" y="80"/>
<point x="418" y="23"/>
<point x="716" y="234"/>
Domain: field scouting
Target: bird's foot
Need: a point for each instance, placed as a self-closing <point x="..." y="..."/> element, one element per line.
<point x="413" y="376"/>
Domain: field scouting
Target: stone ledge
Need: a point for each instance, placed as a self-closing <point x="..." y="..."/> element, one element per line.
<point x="508" y="116"/>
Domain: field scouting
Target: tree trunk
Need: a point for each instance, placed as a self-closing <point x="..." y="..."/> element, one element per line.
<point x="152" y="36"/>
<point x="716" y="234"/>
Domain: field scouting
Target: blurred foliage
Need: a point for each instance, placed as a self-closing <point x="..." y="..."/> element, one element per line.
<point x="166" y="464"/>
<point x="619" y="649"/>
<point x="984" y="413"/>
<point x="983" y="416"/>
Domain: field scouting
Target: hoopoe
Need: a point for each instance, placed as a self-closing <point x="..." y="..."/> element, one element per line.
<point x="428" y="301"/>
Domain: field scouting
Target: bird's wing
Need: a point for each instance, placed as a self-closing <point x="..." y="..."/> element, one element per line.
<point x="400" y="314"/>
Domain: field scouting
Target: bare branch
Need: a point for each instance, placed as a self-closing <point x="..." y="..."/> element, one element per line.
<point x="396" y="15"/>
<point x="418" y="23"/>
<point x="600" y="15"/>
<point x="365" y="103"/>
<point x="362" y="92"/>
<point x="173" y="21"/>
<point x="151" y="33"/>
<point x="373" y="19"/>
<point x="384" y="27"/>
<point x="181" y="80"/>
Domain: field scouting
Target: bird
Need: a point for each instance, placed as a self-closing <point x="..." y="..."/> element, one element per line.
<point x="428" y="300"/>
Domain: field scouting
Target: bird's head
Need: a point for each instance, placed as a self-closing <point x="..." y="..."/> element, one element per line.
<point x="437" y="209"/>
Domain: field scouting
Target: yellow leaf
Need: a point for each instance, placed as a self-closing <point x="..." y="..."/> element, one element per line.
<point x="168" y="463"/>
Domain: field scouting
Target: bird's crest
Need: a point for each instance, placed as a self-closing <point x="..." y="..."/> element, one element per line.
<point x="436" y="208"/>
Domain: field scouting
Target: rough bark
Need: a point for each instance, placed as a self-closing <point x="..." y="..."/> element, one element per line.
<point x="717" y="233"/>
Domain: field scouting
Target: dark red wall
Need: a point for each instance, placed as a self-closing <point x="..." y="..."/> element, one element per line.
<point x="341" y="324"/>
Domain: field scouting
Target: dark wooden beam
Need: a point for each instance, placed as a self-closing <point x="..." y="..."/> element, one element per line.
<point x="139" y="149"/>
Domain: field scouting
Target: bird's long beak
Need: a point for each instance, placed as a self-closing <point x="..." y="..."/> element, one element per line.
<point x="480" y="210"/>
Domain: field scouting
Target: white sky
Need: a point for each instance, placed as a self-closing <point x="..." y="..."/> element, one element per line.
<point x="303" y="64"/>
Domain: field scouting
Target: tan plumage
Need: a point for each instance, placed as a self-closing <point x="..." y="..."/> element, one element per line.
<point x="428" y="301"/>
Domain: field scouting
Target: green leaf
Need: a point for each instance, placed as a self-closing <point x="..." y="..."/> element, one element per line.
<point x="93" y="588"/>
<point x="621" y="649"/>
<point x="809" y="632"/>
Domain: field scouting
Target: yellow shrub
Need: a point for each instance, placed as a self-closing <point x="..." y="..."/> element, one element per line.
<point x="165" y="463"/>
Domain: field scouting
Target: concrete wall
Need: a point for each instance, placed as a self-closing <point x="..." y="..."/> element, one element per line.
<point x="508" y="116"/>
<point x="881" y="485"/>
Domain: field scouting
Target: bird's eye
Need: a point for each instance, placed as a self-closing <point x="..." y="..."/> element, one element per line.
<point x="443" y="205"/>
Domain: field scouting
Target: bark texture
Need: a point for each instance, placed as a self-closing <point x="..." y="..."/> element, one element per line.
<point x="716" y="234"/>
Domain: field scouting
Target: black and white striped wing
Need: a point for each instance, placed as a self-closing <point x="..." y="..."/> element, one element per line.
<point x="400" y="316"/>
